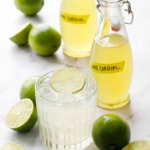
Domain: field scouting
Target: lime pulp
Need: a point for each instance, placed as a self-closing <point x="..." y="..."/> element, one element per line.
<point x="67" y="79"/>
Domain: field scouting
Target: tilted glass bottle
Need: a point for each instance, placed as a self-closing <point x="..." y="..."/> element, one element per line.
<point x="111" y="56"/>
<point x="78" y="23"/>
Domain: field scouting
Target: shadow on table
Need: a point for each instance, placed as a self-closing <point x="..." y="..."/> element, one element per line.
<point x="30" y="138"/>
<point x="91" y="147"/>
<point x="125" y="112"/>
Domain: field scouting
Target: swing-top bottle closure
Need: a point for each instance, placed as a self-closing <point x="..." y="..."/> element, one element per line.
<point x="106" y="3"/>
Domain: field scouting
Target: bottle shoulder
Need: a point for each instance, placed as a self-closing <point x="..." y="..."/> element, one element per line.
<point x="111" y="40"/>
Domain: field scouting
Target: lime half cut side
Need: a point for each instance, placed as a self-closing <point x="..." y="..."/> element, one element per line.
<point x="67" y="79"/>
<point x="138" y="145"/>
<point x="21" y="37"/>
<point x="12" y="146"/>
<point x="22" y="116"/>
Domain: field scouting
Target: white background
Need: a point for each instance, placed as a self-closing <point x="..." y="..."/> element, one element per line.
<point x="19" y="63"/>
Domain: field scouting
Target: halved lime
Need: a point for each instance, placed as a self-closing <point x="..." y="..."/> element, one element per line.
<point x="21" y="37"/>
<point x="138" y="145"/>
<point x="11" y="146"/>
<point x="22" y="116"/>
<point x="67" y="79"/>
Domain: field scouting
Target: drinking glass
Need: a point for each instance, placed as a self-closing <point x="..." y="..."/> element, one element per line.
<point x="65" y="120"/>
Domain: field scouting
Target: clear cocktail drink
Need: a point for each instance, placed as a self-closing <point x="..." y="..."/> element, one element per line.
<point x="65" y="119"/>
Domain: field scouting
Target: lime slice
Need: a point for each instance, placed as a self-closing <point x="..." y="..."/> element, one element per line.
<point x="67" y="79"/>
<point x="138" y="145"/>
<point x="22" y="116"/>
<point x="21" y="37"/>
<point x="11" y="146"/>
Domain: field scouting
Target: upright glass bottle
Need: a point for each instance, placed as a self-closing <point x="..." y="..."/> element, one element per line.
<point x="111" y="56"/>
<point x="78" y="22"/>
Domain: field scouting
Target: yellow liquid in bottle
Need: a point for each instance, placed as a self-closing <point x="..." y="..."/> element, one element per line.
<point x="111" y="65"/>
<point x="78" y="22"/>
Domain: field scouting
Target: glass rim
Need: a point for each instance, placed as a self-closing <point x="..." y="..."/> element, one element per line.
<point x="50" y="102"/>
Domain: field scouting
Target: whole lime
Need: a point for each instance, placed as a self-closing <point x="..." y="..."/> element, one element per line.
<point x="110" y="132"/>
<point x="29" y="7"/>
<point x="27" y="89"/>
<point x="44" y="40"/>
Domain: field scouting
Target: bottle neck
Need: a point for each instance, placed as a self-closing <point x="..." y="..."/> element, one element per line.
<point x="111" y="9"/>
<point x="110" y="3"/>
<point x="111" y="18"/>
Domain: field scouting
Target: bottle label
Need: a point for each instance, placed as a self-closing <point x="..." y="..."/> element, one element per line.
<point x="75" y="19"/>
<point x="107" y="68"/>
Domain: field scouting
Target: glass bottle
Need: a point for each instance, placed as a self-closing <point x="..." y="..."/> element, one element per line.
<point x="111" y="56"/>
<point x="78" y="22"/>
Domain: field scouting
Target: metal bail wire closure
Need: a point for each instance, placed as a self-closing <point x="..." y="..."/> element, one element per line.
<point x="98" y="6"/>
<point x="129" y="10"/>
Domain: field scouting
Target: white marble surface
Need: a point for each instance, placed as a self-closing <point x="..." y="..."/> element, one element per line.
<point x="17" y="64"/>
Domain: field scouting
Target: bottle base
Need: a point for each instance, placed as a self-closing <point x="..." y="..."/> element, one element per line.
<point x="114" y="106"/>
<point x="76" y="54"/>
